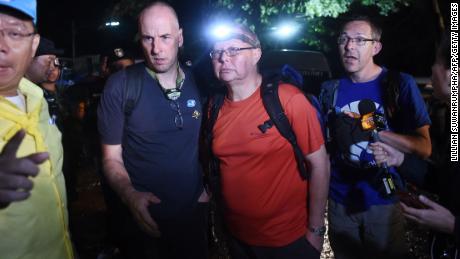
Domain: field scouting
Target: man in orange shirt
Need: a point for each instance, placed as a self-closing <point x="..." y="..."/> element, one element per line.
<point x="269" y="210"/>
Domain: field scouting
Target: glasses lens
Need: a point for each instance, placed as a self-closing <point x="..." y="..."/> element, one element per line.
<point x="232" y="51"/>
<point x="57" y="62"/>
<point x="342" y="40"/>
<point x="215" y="54"/>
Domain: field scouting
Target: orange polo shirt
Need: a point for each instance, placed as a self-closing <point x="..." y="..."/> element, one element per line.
<point x="264" y="195"/>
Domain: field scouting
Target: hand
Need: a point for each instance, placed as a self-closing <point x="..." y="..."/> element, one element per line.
<point x="15" y="184"/>
<point x="384" y="153"/>
<point x="315" y="241"/>
<point x="436" y="216"/>
<point x="138" y="203"/>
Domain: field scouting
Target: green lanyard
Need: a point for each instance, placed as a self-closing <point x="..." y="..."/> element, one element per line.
<point x="173" y="93"/>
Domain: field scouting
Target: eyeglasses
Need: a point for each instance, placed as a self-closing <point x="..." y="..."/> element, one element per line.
<point x="178" y="120"/>
<point x="57" y="62"/>
<point x="231" y="52"/>
<point x="360" y="41"/>
<point x="14" y="35"/>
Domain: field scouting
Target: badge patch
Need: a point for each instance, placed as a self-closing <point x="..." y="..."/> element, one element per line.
<point x="196" y="114"/>
<point x="191" y="103"/>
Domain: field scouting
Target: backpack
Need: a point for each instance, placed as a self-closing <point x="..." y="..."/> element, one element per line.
<point x="390" y="91"/>
<point x="277" y="117"/>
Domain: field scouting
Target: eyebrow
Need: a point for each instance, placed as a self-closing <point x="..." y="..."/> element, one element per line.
<point x="15" y="23"/>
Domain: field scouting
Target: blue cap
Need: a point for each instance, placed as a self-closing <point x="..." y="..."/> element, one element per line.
<point x="28" y="7"/>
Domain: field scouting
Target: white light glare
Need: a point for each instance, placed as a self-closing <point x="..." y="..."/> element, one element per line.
<point x="220" y="31"/>
<point x="112" y="24"/>
<point x="286" y="30"/>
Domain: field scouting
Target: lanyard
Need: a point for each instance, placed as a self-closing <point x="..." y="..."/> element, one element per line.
<point x="173" y="93"/>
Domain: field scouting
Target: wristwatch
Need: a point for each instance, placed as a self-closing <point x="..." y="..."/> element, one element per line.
<point x="318" y="231"/>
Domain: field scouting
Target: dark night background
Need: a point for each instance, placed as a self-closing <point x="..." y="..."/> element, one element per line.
<point x="408" y="42"/>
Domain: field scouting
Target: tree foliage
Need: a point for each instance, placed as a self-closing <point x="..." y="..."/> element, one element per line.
<point x="262" y="15"/>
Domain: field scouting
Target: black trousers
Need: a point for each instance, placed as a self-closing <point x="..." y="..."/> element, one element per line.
<point x="299" y="249"/>
<point x="183" y="238"/>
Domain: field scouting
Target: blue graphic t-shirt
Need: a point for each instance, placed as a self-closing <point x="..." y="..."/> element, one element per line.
<point x="354" y="182"/>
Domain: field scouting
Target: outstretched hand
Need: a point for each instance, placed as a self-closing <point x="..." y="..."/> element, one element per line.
<point x="435" y="216"/>
<point x="15" y="184"/>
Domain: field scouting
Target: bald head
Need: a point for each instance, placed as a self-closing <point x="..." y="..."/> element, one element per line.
<point x="161" y="10"/>
<point x="161" y="37"/>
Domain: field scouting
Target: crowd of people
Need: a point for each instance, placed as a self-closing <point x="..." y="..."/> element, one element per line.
<point x="165" y="153"/>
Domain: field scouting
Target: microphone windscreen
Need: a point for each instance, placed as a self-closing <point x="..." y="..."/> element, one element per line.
<point x="366" y="106"/>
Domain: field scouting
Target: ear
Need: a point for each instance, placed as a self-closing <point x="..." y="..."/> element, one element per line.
<point x="180" y="38"/>
<point x="376" y="48"/>
<point x="35" y="42"/>
<point x="257" y="54"/>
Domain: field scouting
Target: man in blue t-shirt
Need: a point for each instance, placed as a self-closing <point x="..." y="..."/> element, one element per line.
<point x="150" y="157"/>
<point x="365" y="220"/>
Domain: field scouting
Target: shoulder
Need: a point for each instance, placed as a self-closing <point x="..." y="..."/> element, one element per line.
<point x="115" y="80"/>
<point x="30" y="89"/>
<point x="330" y="83"/>
<point x="289" y="91"/>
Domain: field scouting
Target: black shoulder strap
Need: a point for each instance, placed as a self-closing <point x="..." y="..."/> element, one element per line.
<point x="391" y="84"/>
<point x="133" y="87"/>
<point x="212" y="163"/>
<point x="215" y="103"/>
<point x="327" y="100"/>
<point x="272" y="104"/>
<point x="328" y="95"/>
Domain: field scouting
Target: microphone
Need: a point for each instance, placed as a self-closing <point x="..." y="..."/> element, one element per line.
<point x="372" y="121"/>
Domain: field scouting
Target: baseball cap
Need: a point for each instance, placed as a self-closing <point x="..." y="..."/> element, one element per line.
<point x="27" y="7"/>
<point x="47" y="47"/>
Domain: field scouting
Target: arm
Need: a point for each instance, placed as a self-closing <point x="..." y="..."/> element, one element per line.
<point x="118" y="178"/>
<point x="318" y="191"/>
<point x="419" y="143"/>
<point x="15" y="184"/>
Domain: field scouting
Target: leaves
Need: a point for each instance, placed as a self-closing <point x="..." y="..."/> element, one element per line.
<point x="263" y="15"/>
<point x="309" y="13"/>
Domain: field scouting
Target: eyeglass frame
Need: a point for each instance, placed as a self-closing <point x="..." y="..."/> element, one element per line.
<point x="227" y="51"/>
<point x="6" y="33"/>
<point x="173" y="104"/>
<point x="359" y="41"/>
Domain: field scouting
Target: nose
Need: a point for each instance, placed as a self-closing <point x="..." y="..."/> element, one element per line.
<point x="349" y="44"/>
<point x="156" y="46"/>
<point x="3" y="42"/>
<point x="224" y="57"/>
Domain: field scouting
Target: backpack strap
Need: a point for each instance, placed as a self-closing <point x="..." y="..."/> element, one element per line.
<point x="328" y="95"/>
<point x="213" y="169"/>
<point x="133" y="87"/>
<point x="391" y="88"/>
<point x="272" y="104"/>
<point x="327" y="100"/>
<point x="215" y="103"/>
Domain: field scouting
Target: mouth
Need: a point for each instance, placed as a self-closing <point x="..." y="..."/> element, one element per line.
<point x="349" y="58"/>
<point x="4" y="68"/>
<point x="225" y="70"/>
<point x="159" y="61"/>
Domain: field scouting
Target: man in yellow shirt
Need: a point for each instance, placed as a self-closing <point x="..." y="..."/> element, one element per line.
<point x="33" y="212"/>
